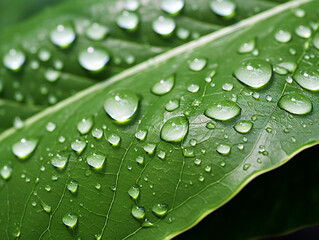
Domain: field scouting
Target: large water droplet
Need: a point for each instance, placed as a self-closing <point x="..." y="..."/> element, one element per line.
<point x="73" y="186"/>
<point x="296" y="103"/>
<point x="59" y="161"/>
<point x="175" y="129"/>
<point x="160" y="209"/>
<point x="303" y="31"/>
<point x="93" y="59"/>
<point x="255" y="73"/>
<point x="243" y="126"/>
<point x="63" y="36"/>
<point x="164" y="26"/>
<point x="128" y="21"/>
<point x="24" y="148"/>
<point x="224" y="8"/>
<point x="78" y="146"/>
<point x="282" y="36"/>
<point x="121" y="105"/>
<point x="134" y="192"/>
<point x="164" y="85"/>
<point x="96" y="160"/>
<point x="172" y="6"/>
<point x="70" y="220"/>
<point x="14" y="59"/>
<point x="197" y="64"/>
<point x="6" y="172"/>
<point x="308" y="78"/>
<point x="96" y="32"/>
<point x="85" y="125"/>
<point x="138" y="212"/>
<point x="248" y="46"/>
<point x="223" y="149"/>
<point x="224" y="110"/>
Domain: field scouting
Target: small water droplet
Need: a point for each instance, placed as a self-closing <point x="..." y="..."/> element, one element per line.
<point x="96" y="160"/>
<point x="243" y="126"/>
<point x="201" y="179"/>
<point x="73" y="186"/>
<point x="44" y="55"/>
<point x="98" y="186"/>
<point x="172" y="7"/>
<point x="208" y="169"/>
<point x="121" y="105"/>
<point x="223" y="149"/>
<point x="227" y="87"/>
<point x="149" y="148"/>
<point x="97" y="133"/>
<point x="140" y="160"/>
<point x="52" y="75"/>
<point x="223" y="110"/>
<point x="161" y="155"/>
<point x="164" y="85"/>
<point x="224" y="8"/>
<point x="46" y="207"/>
<point x="308" y="78"/>
<point x="85" y="125"/>
<point x="246" y="166"/>
<point x="61" y="139"/>
<point x="134" y="192"/>
<point x="172" y="105"/>
<point x="60" y="161"/>
<point x="187" y="152"/>
<point x="93" y="59"/>
<point x="197" y="162"/>
<point x="282" y="36"/>
<point x="303" y="31"/>
<point x="14" y="59"/>
<point x="164" y="26"/>
<point x="193" y="88"/>
<point x="47" y="188"/>
<point x="97" y="32"/>
<point x="132" y="5"/>
<point x="141" y="134"/>
<point x="24" y="148"/>
<point x="255" y="73"/>
<point x="128" y="21"/>
<point x="256" y="95"/>
<point x="210" y="125"/>
<point x="175" y="129"/>
<point x="295" y="103"/>
<point x="182" y="33"/>
<point x="70" y="220"/>
<point x="114" y="139"/>
<point x="63" y="36"/>
<point x="6" y="172"/>
<point x="160" y="209"/>
<point x="78" y="146"/>
<point x="138" y="212"/>
<point x="248" y="46"/>
<point x="197" y="64"/>
<point x="50" y="127"/>
<point x="18" y="123"/>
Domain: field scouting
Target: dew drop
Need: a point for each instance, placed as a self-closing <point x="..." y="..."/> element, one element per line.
<point x="63" y="36"/>
<point x="96" y="160"/>
<point x="70" y="220"/>
<point x="308" y="78"/>
<point x="224" y="8"/>
<point x="187" y="152"/>
<point x="59" y="161"/>
<point x="175" y="129"/>
<point x="193" y="88"/>
<point x="172" y="105"/>
<point x="243" y="126"/>
<point x="182" y="33"/>
<point x="73" y="186"/>
<point x="149" y="148"/>
<point x="227" y="87"/>
<point x="121" y="105"/>
<point x="208" y="169"/>
<point x="282" y="36"/>
<point x="138" y="212"/>
<point x="14" y="59"/>
<point x="134" y="192"/>
<point x="246" y="166"/>
<point x="248" y="46"/>
<point x="197" y="64"/>
<point x="161" y="155"/>
<point x="295" y="103"/>
<point x="24" y="148"/>
<point x="97" y="32"/>
<point x="160" y="209"/>
<point x="46" y="207"/>
<point x="85" y="125"/>
<point x="114" y="139"/>
<point x="140" y="160"/>
<point x="97" y="133"/>
<point x="132" y="5"/>
<point x="197" y="162"/>
<point x="52" y="75"/>
<point x="223" y="110"/>
<point x="289" y="66"/>
<point x="201" y="179"/>
<point x="164" y="26"/>
<point x="128" y="21"/>
<point x="255" y="73"/>
<point x="164" y="85"/>
<point x="210" y="125"/>
<point x="50" y="127"/>
<point x="44" y="55"/>
<point x="78" y="146"/>
<point x="93" y="59"/>
<point x="223" y="149"/>
<point x="141" y="134"/>
<point x="303" y="31"/>
<point x="6" y="172"/>
<point x="172" y="7"/>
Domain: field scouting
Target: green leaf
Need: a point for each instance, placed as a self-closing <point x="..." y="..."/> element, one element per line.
<point x="65" y="182"/>
<point x="36" y="84"/>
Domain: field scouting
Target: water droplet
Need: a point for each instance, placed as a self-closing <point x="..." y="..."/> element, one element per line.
<point x="172" y="6"/>
<point x="96" y="32"/>
<point x="93" y="59"/>
<point x="73" y="186"/>
<point x="161" y="155"/>
<point x="315" y="41"/>
<point x="280" y="70"/>
<point x="160" y="209"/>
<point x="164" y="26"/>
<point x="59" y="161"/>
<point x="300" y="13"/>
<point x="61" y="139"/>
<point x="128" y="21"/>
<point x="97" y="133"/>
<point x="308" y="78"/>
<point x="187" y="152"/>
<point x="210" y="125"/>
<point x="296" y="103"/>
<point x="96" y="160"/>
<point x="14" y="59"/>
<point x="141" y="134"/>
<point x="193" y="88"/>
<point x="146" y="223"/>
<point x="255" y="73"/>
<point x="223" y="110"/>
<point x="268" y="98"/>
<point x="197" y="64"/>
<point x="47" y="188"/>
<point x="97" y="186"/>
<point x="6" y="172"/>
<point x="243" y="126"/>
<point x="182" y="33"/>
<point x="223" y="149"/>
<point x="224" y="8"/>
<point x="246" y="166"/>
<point x="303" y="31"/>
<point x="132" y="5"/>
<point x="114" y="139"/>
<point x="63" y="36"/>
<point x="172" y="105"/>
<point x="282" y="36"/>
<point x="197" y="162"/>
<point x="208" y="169"/>
<point x="85" y="125"/>
<point x="201" y="179"/>
<point x="227" y="87"/>
<point x="121" y="105"/>
<point x="78" y="146"/>
<point x="134" y="192"/>
<point x="24" y="148"/>
<point x="164" y="85"/>
<point x="50" y="127"/>
<point x="18" y="123"/>
<point x="149" y="148"/>
<point x="52" y="75"/>
<point x="256" y="95"/>
<point x="44" y="55"/>
<point x="138" y="212"/>
<point x="248" y="46"/>
<point x="175" y="129"/>
<point x="193" y="142"/>
<point x="70" y="220"/>
<point x="289" y="66"/>
<point x="240" y="146"/>
<point x="46" y="207"/>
